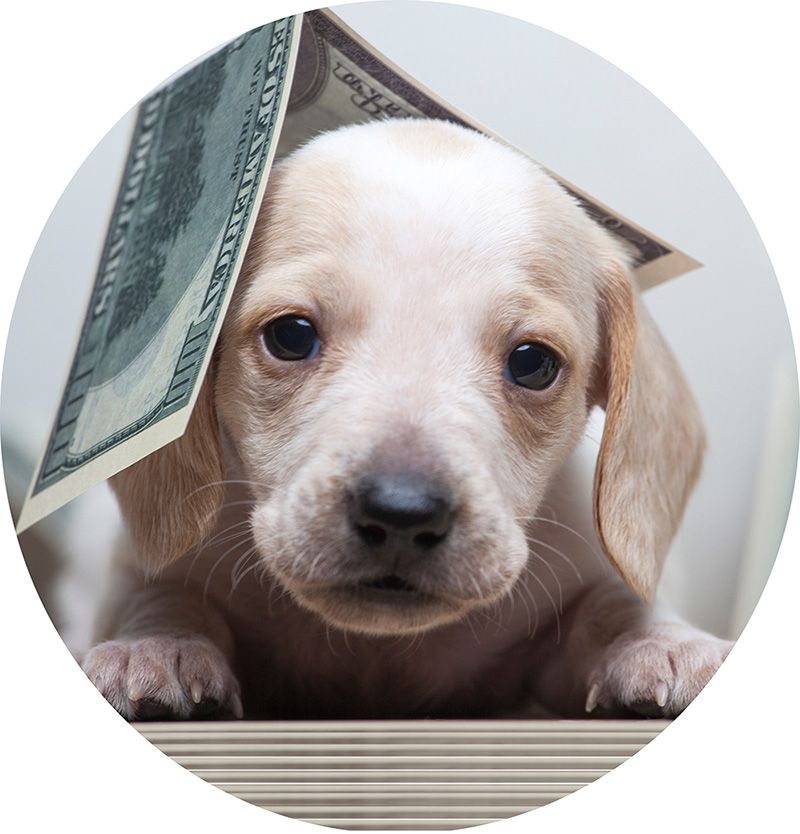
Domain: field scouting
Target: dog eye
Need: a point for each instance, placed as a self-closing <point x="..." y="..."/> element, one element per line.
<point x="533" y="366"/>
<point x="291" y="338"/>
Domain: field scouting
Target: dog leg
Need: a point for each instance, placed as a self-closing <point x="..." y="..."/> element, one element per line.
<point x="619" y="657"/>
<point x="170" y="656"/>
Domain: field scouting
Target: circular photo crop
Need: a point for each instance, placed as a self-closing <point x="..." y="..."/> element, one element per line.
<point x="387" y="462"/>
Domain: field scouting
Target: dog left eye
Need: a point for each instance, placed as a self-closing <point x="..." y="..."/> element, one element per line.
<point x="533" y="366"/>
<point x="291" y="338"/>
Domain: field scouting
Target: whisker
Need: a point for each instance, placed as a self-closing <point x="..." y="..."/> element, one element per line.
<point x="472" y="627"/>
<point x="559" y="553"/>
<point x="554" y="575"/>
<point x="412" y="647"/>
<point x="249" y="501"/>
<point x="216" y="564"/>
<point x="275" y="588"/>
<point x="535" y="604"/>
<point x="552" y="602"/>
<point x="221" y="537"/>
<point x="328" y="640"/>
<point x="240" y="569"/>
<point x="223" y="482"/>
<point x="254" y="567"/>
<point x="494" y="608"/>
<point x="216" y="539"/>
<point x="263" y="574"/>
<point x="322" y="552"/>
<point x="591" y="437"/>
<point x="563" y="527"/>
<point x="346" y="638"/>
<point x="301" y="555"/>
<point x="518" y="589"/>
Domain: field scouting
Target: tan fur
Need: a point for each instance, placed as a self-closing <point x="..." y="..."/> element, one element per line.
<point x="424" y="254"/>
<point x="652" y="444"/>
<point x="170" y="499"/>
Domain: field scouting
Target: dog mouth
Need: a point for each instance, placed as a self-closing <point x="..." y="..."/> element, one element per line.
<point x="392" y="583"/>
<point x="387" y="605"/>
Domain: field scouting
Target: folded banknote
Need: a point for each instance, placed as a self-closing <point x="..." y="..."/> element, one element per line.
<point x="196" y="171"/>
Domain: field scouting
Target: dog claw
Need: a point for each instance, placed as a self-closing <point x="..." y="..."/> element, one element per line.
<point x="655" y="671"/>
<point x="196" y="690"/>
<point x="163" y="677"/>
<point x="591" y="698"/>
<point x="236" y="706"/>
<point x="135" y="692"/>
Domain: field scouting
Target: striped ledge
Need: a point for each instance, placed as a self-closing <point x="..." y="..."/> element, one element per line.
<point x="396" y="775"/>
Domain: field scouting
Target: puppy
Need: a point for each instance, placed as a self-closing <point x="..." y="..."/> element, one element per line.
<point x="371" y="514"/>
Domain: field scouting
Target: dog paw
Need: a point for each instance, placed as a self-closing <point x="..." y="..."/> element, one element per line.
<point x="655" y="672"/>
<point x="157" y="678"/>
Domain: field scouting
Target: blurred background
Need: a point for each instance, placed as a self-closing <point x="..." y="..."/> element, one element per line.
<point x="595" y="126"/>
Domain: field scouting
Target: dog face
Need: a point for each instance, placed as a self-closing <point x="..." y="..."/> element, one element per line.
<point x="396" y="460"/>
<point x="422" y="325"/>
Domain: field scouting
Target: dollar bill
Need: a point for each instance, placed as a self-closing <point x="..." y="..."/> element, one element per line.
<point x="193" y="180"/>
<point x="341" y="79"/>
<point x="196" y="171"/>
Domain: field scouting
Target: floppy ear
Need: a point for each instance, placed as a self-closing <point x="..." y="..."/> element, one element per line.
<point x="171" y="499"/>
<point x="653" y="440"/>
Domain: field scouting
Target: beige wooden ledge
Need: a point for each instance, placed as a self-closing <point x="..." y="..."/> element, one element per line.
<point x="401" y="774"/>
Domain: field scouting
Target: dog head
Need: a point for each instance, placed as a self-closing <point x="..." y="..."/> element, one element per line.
<point x="423" y="323"/>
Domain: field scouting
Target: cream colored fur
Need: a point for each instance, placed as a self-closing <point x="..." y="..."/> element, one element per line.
<point x="424" y="254"/>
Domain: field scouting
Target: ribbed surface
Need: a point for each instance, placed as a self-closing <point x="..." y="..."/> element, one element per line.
<point x="400" y="775"/>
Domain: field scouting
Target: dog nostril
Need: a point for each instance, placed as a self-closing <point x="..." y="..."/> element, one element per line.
<point x="426" y="541"/>
<point x="371" y="533"/>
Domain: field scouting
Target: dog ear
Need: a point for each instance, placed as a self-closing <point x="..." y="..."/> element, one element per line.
<point x="653" y="440"/>
<point x="171" y="499"/>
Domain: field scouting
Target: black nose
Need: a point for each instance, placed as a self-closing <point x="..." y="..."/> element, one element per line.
<point x="402" y="509"/>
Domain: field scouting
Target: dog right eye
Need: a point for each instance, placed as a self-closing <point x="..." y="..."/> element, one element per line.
<point x="291" y="338"/>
